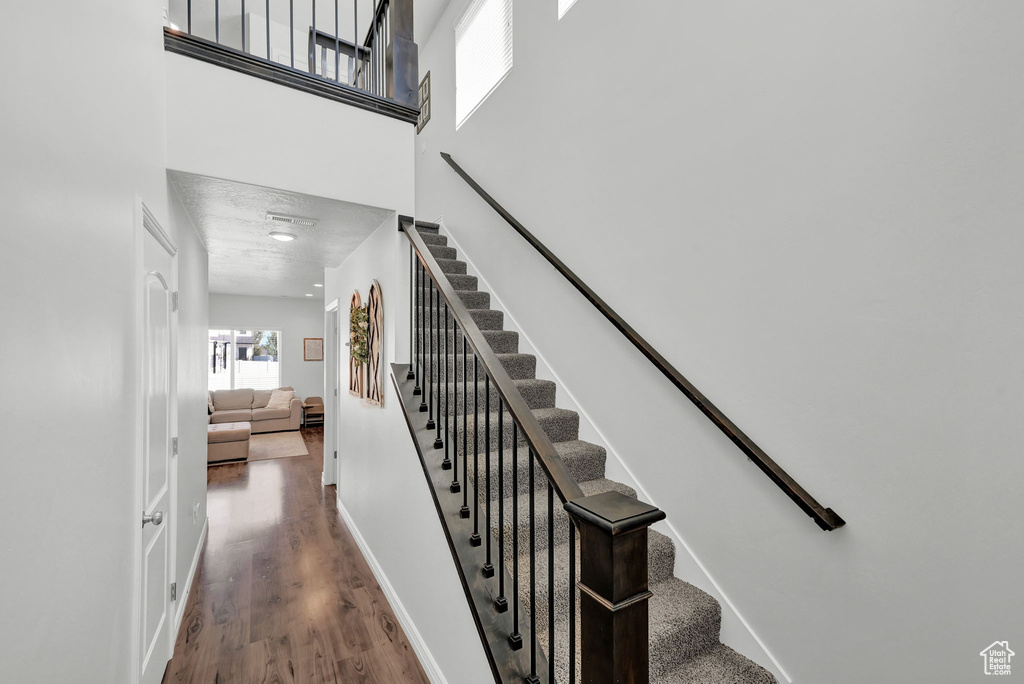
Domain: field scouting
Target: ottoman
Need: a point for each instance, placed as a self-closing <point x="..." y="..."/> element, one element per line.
<point x="227" y="442"/>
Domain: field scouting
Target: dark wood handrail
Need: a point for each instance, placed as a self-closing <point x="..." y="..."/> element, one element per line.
<point x="558" y="474"/>
<point x="826" y="518"/>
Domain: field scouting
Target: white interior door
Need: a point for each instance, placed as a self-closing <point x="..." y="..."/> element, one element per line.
<point x="155" y="463"/>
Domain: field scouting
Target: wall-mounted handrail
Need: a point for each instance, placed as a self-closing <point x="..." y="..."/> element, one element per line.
<point x="564" y="483"/>
<point x="826" y="518"/>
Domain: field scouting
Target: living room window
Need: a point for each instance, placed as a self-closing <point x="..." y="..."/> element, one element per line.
<point x="483" y="53"/>
<point x="244" y="359"/>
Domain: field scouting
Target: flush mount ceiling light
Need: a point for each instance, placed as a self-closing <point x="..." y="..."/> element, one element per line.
<point x="281" y="236"/>
<point x="318" y="284"/>
<point x="308" y="295"/>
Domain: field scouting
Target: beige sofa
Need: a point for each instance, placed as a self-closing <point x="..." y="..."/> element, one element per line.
<point x="250" y="406"/>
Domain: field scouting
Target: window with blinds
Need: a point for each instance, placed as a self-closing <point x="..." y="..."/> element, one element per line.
<point x="244" y="359"/>
<point x="563" y="7"/>
<point x="483" y="53"/>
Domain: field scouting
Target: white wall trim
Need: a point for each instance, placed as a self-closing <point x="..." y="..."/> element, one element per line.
<point x="184" y="590"/>
<point x="674" y="534"/>
<point x="426" y="659"/>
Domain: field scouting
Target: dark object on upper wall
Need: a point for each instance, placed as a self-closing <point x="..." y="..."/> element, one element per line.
<point x="424" y="103"/>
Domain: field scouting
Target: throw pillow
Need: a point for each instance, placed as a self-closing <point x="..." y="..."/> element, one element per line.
<point x="281" y="399"/>
<point x="209" y="401"/>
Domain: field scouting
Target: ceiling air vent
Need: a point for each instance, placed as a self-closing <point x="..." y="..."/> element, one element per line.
<point x="291" y="220"/>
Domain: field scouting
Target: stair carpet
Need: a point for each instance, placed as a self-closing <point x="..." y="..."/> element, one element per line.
<point x="684" y="621"/>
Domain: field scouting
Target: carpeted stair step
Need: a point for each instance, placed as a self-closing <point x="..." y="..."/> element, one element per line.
<point x="426" y="227"/>
<point x="584" y="460"/>
<point x="661" y="558"/>
<point x="434" y="239"/>
<point x="718" y="665"/>
<point x="518" y="366"/>
<point x="458" y="282"/>
<point x="501" y="341"/>
<point x="537" y="393"/>
<point x="560" y="425"/>
<point x="452" y="266"/>
<point x="443" y="251"/>
<point x="473" y="299"/>
<point x="561" y="519"/>
<point x="684" y="626"/>
<point x="485" y="319"/>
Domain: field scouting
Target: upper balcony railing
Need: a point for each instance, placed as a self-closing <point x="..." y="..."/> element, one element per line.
<point x="328" y="48"/>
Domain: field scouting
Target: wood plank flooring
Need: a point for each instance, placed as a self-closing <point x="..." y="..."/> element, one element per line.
<point x="282" y="594"/>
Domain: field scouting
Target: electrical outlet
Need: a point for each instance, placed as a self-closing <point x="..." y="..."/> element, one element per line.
<point x="195" y="514"/>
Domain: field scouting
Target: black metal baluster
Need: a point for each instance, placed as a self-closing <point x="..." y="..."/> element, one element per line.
<point x="337" y="45"/>
<point x="533" y="678"/>
<point x="474" y="540"/>
<point x="291" y="32"/>
<point x="190" y="17"/>
<point x="501" y="603"/>
<point x="446" y="464"/>
<point x="515" y="639"/>
<point x="454" y="434"/>
<point x="268" y="30"/>
<point x="355" y="47"/>
<point x="488" y="568"/>
<point x="243" y="27"/>
<point x="413" y="316"/>
<point x="551" y="584"/>
<point x="312" y="48"/>
<point x="572" y="602"/>
<point x="436" y="330"/>
<point x="216" y="20"/>
<point x="421" y="362"/>
<point x="464" y="511"/>
<point x="430" y="361"/>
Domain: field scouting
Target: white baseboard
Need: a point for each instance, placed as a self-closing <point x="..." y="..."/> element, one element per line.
<point x="430" y="665"/>
<point x="182" y="599"/>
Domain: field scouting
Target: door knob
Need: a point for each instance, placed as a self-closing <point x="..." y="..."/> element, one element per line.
<point x="156" y="518"/>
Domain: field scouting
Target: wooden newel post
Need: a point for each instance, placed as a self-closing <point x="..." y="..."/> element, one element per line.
<point x="613" y="587"/>
<point x="402" y="56"/>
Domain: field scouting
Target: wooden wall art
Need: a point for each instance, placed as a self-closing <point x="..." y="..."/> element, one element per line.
<point x="357" y="346"/>
<point x="375" y="347"/>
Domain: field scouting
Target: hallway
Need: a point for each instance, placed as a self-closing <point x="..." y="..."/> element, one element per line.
<point x="282" y="593"/>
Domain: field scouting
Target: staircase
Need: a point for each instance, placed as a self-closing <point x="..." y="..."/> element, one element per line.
<point x="684" y="621"/>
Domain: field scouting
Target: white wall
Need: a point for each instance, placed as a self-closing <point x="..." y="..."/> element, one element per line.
<point x="76" y="153"/>
<point x="380" y="478"/>
<point x="295" y="318"/>
<point x="224" y="124"/>
<point x="811" y="210"/>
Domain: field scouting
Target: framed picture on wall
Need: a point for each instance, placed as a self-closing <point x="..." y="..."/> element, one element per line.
<point x="313" y="348"/>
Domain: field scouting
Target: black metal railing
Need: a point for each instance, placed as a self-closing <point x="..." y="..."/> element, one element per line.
<point x="299" y="43"/>
<point x="826" y="518"/>
<point x="473" y="406"/>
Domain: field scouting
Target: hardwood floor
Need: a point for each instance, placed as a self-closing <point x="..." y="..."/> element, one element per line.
<point x="282" y="593"/>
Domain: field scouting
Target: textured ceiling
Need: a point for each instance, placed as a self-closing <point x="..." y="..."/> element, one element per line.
<point x="231" y="220"/>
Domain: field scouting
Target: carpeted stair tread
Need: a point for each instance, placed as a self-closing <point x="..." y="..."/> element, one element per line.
<point x="452" y="266"/>
<point x="501" y="341"/>
<point x="584" y="460"/>
<point x="458" y="281"/>
<point x="718" y="665"/>
<point x="485" y="319"/>
<point x="560" y="425"/>
<point x="442" y="251"/>
<point x="561" y="519"/>
<point x="427" y="227"/>
<point x="433" y="238"/>
<point x="473" y="299"/>
<point x="537" y="393"/>
<point x="684" y="621"/>
<point x="661" y="556"/>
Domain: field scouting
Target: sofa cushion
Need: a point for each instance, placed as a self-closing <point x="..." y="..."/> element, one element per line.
<point x="260" y="398"/>
<point x="281" y="399"/>
<point x="236" y="416"/>
<point x="270" y="413"/>
<point x="227" y="432"/>
<point x="230" y="400"/>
